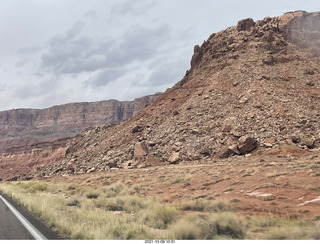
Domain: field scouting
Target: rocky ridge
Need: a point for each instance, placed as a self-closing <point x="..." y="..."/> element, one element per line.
<point x="19" y="127"/>
<point x="253" y="89"/>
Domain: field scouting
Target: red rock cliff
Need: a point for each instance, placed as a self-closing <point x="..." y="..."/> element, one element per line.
<point x="27" y="126"/>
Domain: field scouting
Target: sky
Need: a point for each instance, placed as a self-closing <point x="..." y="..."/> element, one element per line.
<point x="61" y="51"/>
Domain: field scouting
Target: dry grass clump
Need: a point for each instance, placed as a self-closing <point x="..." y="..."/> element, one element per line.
<point x="283" y="229"/>
<point x="179" y="180"/>
<point x="92" y="195"/>
<point x="223" y="226"/>
<point x="206" y="206"/>
<point x="209" y="227"/>
<point x="186" y="230"/>
<point x="161" y="217"/>
<point x="315" y="234"/>
<point x="34" y="186"/>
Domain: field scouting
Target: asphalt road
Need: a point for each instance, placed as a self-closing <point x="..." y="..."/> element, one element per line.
<point x="16" y="223"/>
<point x="10" y="227"/>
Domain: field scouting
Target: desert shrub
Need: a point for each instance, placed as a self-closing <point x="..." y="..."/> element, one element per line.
<point x="71" y="187"/>
<point x="126" y="233"/>
<point x="194" y="205"/>
<point x="73" y="202"/>
<point x="206" y="206"/>
<point x="109" y="204"/>
<point x="135" y="204"/>
<point x="77" y="190"/>
<point x="33" y="186"/>
<point x="180" y="180"/>
<point x="138" y="233"/>
<point x="287" y="233"/>
<point x="106" y="183"/>
<point x="114" y="205"/>
<point x="316" y="232"/>
<point x="185" y="230"/>
<point x="25" y="185"/>
<point x="162" y="217"/>
<point x="79" y="235"/>
<point x="225" y="225"/>
<point x="39" y="186"/>
<point x="113" y="190"/>
<point x="92" y="195"/>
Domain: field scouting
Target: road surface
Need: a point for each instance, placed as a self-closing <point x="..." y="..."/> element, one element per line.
<point x="16" y="223"/>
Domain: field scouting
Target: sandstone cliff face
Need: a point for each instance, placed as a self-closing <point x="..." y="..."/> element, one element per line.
<point x="27" y="126"/>
<point x="252" y="89"/>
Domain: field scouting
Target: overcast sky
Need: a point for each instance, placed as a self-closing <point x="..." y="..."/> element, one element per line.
<point x="61" y="51"/>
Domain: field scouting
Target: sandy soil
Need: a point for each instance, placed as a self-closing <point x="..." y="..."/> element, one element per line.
<point x="260" y="185"/>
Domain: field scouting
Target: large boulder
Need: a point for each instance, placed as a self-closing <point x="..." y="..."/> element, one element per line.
<point x="245" y="24"/>
<point x="140" y="150"/>
<point x="247" y="144"/>
<point x="230" y="151"/>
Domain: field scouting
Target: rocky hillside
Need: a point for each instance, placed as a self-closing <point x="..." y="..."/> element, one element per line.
<point x="253" y="89"/>
<point x="27" y="126"/>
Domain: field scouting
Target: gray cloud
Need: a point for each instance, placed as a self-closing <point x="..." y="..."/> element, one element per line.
<point x="165" y="74"/>
<point x="132" y="7"/>
<point x="68" y="35"/>
<point x="104" y="77"/>
<point x="91" y="14"/>
<point x="35" y="89"/>
<point x="66" y="57"/>
<point x="139" y="44"/>
<point x="72" y="54"/>
<point x="29" y="50"/>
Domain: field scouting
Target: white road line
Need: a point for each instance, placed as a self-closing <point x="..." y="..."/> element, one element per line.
<point x="33" y="231"/>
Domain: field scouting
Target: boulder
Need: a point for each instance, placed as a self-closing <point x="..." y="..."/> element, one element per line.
<point x="269" y="142"/>
<point x="150" y="162"/>
<point x="137" y="129"/>
<point x="247" y="144"/>
<point x="140" y="150"/>
<point x="91" y="170"/>
<point x="295" y="139"/>
<point x="226" y="128"/>
<point x="205" y="151"/>
<point x="245" y="24"/>
<point x="230" y="151"/>
<point x="310" y="143"/>
<point x="174" y="158"/>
